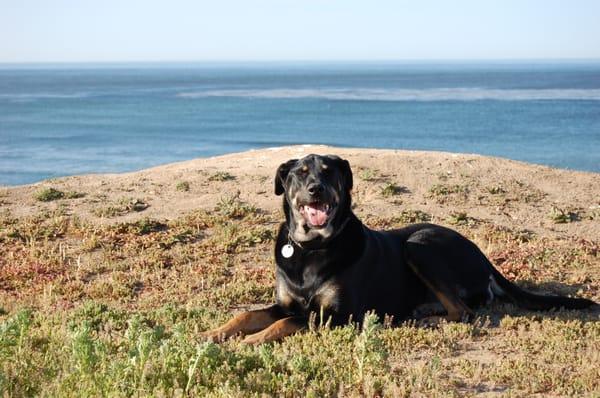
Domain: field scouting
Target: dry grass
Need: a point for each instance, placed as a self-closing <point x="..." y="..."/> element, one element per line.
<point x="88" y="309"/>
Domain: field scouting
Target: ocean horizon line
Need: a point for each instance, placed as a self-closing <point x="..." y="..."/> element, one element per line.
<point x="299" y="62"/>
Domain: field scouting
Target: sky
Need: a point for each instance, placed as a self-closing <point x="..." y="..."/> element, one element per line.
<point x="296" y="30"/>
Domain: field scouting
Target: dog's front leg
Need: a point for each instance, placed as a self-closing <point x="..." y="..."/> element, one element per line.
<point x="246" y="323"/>
<point x="278" y="330"/>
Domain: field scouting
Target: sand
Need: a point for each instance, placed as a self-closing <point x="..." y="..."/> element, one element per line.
<point x="507" y="193"/>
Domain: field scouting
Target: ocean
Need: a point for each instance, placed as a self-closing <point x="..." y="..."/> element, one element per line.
<point x="58" y="120"/>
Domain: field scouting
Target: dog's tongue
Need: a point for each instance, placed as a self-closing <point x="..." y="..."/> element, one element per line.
<point x="316" y="213"/>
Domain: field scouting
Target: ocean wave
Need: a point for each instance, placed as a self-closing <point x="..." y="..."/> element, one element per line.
<point x="41" y="96"/>
<point x="436" y="94"/>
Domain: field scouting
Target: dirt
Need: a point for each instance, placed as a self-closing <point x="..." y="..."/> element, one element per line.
<point x="507" y="193"/>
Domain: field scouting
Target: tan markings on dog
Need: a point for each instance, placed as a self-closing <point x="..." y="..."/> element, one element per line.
<point x="246" y="322"/>
<point x="304" y="168"/>
<point x="327" y="295"/>
<point x="454" y="306"/>
<point x="456" y="310"/>
<point x="284" y="296"/>
<point x="324" y="166"/>
<point x="280" y="329"/>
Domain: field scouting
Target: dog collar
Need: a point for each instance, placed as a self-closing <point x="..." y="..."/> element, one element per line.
<point x="287" y="250"/>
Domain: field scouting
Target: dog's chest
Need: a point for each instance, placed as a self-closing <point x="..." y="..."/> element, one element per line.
<point x="312" y="295"/>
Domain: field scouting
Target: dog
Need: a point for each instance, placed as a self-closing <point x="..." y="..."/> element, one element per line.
<point x="331" y="264"/>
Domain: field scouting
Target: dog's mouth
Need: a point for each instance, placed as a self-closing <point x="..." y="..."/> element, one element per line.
<point x="316" y="214"/>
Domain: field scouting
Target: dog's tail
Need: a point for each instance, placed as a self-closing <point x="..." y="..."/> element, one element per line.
<point x="501" y="286"/>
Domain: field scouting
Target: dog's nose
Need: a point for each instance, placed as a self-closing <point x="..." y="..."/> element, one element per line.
<point x="315" y="189"/>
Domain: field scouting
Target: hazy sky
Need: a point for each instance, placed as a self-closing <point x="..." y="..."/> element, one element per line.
<point x="226" y="30"/>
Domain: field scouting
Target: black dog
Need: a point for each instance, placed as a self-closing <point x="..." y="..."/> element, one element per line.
<point x="331" y="264"/>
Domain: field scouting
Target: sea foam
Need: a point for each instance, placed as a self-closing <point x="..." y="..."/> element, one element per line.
<point x="437" y="94"/>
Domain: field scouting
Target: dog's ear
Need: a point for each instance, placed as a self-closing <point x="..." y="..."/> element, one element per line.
<point x="344" y="168"/>
<point x="347" y="173"/>
<point x="282" y="172"/>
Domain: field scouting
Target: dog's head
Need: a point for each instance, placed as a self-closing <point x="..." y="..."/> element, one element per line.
<point x="317" y="195"/>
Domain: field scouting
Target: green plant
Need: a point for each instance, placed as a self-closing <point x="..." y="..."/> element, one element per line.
<point x="459" y="218"/>
<point x="120" y="208"/>
<point x="221" y="176"/>
<point x="74" y="195"/>
<point x="561" y="216"/>
<point x="496" y="189"/>
<point x="182" y="186"/>
<point x="413" y="216"/>
<point x="368" y="174"/>
<point x="443" y="189"/>
<point x="370" y="353"/>
<point x="594" y="213"/>
<point x="13" y="332"/>
<point x="391" y="189"/>
<point x="147" y="225"/>
<point x="233" y="207"/>
<point x="49" y="194"/>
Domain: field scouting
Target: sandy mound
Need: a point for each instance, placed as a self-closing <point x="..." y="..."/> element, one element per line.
<point x="449" y="187"/>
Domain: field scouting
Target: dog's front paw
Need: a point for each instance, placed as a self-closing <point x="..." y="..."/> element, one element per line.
<point x="214" y="336"/>
<point x="255" y="339"/>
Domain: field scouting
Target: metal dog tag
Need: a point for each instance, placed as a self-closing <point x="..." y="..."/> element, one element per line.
<point x="287" y="250"/>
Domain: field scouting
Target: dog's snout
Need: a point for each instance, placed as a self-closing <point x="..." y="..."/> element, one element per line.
<point x="315" y="189"/>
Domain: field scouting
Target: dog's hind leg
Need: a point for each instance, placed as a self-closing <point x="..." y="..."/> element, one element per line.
<point x="278" y="330"/>
<point x="430" y="266"/>
<point x="246" y="323"/>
